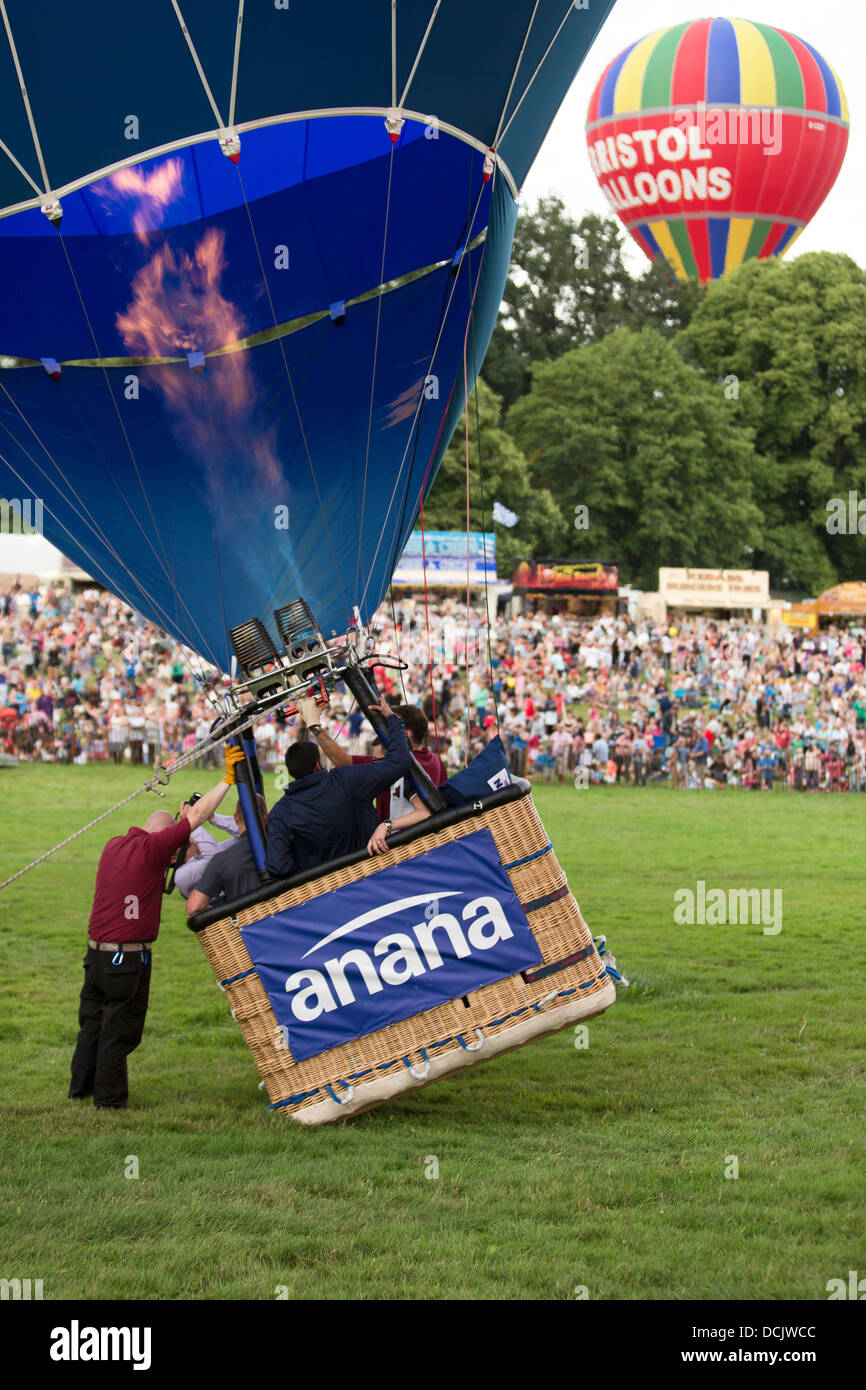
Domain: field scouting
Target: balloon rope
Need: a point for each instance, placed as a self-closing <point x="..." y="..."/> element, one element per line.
<point x="501" y="134"/>
<point x="422" y="397"/>
<point x="433" y="455"/>
<point x="162" y="776"/>
<point x="398" y="642"/>
<point x="484" y="531"/>
<point x="85" y="515"/>
<point x="466" y="647"/>
<point x="199" y="69"/>
<point x="165" y="616"/>
<point x="31" y="120"/>
<point x="234" y="90"/>
<point x="393" y="53"/>
<point x="499" y="131"/>
<point x="410" y="79"/>
<point x="98" y="573"/>
<point x="373" y="376"/>
<point x="427" y="619"/>
<point x="148" y="786"/>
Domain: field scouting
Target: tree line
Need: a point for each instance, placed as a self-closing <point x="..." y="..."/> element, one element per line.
<point x="632" y="419"/>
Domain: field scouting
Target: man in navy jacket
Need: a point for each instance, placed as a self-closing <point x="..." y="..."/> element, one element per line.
<point x="326" y="814"/>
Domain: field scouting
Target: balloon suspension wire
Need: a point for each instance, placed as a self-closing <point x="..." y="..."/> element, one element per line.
<point x="347" y="715"/>
<point x="373" y="374"/>
<point x="424" y="550"/>
<point x="427" y="628"/>
<point x="499" y="130"/>
<point x="82" y="422"/>
<point x="267" y="288"/>
<point x="398" y="642"/>
<point x="503" y="131"/>
<point x="466" y="638"/>
<point x="417" y="435"/>
<point x="164" y="562"/>
<point x="414" y="432"/>
<point x="421" y="512"/>
<point x="161" y="776"/>
<point x="84" y="515"/>
<point x="487" y="624"/>
<point x="220" y="591"/>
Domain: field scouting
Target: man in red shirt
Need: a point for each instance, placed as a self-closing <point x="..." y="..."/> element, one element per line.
<point x="124" y="922"/>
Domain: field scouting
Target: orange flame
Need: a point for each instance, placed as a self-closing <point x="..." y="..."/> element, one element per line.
<point x="178" y="306"/>
<point x="154" y="192"/>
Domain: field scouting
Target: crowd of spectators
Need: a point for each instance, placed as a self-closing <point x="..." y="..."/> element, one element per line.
<point x="83" y="678"/>
<point x="692" y="702"/>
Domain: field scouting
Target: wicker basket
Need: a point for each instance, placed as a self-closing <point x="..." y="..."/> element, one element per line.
<point x="571" y="984"/>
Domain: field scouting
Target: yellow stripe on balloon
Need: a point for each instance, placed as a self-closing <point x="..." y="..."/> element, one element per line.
<point x="629" y="86"/>
<point x="793" y="239"/>
<point x="667" y="246"/>
<point x="757" y="74"/>
<point x="738" y="238"/>
<point x="842" y="98"/>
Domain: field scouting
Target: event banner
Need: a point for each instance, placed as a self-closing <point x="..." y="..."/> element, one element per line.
<point x="391" y="945"/>
<point x="568" y="575"/>
<point x="695" y="588"/>
<point x="446" y="557"/>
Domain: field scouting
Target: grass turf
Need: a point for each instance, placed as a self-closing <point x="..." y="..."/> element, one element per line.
<point x="559" y="1168"/>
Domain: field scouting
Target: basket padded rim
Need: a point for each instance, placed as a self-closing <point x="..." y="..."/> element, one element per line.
<point x="374" y="1093"/>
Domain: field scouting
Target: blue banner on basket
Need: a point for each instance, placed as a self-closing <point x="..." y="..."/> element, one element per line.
<point x="391" y="945"/>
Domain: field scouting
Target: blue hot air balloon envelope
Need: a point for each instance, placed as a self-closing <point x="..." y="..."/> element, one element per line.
<point x="255" y="241"/>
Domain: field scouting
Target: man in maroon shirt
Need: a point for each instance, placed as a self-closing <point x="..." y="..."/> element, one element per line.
<point x="124" y="922"/>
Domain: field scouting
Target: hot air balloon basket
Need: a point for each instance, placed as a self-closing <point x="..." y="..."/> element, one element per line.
<point x="569" y="984"/>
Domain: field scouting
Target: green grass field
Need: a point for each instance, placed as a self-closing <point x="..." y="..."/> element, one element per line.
<point x="558" y="1167"/>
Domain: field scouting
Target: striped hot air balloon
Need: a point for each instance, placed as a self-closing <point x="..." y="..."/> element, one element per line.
<point x="716" y="141"/>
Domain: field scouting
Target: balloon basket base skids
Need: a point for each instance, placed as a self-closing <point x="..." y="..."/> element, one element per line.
<point x="568" y="983"/>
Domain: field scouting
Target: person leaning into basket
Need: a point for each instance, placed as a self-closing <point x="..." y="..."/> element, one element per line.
<point x="398" y="806"/>
<point x="124" y="923"/>
<point x="323" y="815"/>
<point x="232" y="872"/>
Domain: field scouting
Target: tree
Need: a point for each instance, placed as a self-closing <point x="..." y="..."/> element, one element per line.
<point x="794" y="337"/>
<point x="500" y="472"/>
<point x="657" y="299"/>
<point x="625" y="428"/>
<point x="568" y="286"/>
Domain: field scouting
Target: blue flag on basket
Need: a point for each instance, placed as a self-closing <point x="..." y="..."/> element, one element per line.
<point x="488" y="772"/>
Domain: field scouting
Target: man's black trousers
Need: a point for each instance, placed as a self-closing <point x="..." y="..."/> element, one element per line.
<point x="111" y="1016"/>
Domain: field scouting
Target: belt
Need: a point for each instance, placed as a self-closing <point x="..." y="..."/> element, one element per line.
<point x="119" y="945"/>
